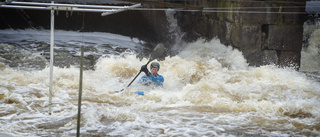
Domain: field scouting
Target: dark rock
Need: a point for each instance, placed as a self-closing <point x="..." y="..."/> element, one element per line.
<point x="253" y="57"/>
<point x="289" y="59"/>
<point x="285" y="37"/>
<point x="270" y="57"/>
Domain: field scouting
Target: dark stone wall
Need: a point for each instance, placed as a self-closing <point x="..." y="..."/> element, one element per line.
<point x="259" y="29"/>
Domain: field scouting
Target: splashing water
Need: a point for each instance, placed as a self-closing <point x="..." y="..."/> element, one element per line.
<point x="310" y="56"/>
<point x="209" y="90"/>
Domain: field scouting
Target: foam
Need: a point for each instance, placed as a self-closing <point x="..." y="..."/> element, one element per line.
<point x="208" y="90"/>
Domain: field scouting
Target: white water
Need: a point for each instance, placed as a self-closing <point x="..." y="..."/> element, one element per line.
<point x="209" y="90"/>
<point x="62" y="37"/>
<point x="310" y="56"/>
<point x="30" y="49"/>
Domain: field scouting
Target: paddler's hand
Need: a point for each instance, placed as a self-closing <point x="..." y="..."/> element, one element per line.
<point x="145" y="70"/>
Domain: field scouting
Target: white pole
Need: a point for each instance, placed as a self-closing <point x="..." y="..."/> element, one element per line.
<point x="120" y="10"/>
<point x="80" y="92"/>
<point x="106" y="10"/>
<point x="68" y="5"/>
<point x="51" y="59"/>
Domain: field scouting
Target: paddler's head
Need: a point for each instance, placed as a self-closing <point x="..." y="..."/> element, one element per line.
<point x="154" y="68"/>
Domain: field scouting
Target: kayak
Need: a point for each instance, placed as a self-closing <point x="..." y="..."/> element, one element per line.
<point x="139" y="92"/>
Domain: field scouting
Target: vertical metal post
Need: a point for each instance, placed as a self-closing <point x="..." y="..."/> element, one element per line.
<point x="51" y="59"/>
<point x="80" y="92"/>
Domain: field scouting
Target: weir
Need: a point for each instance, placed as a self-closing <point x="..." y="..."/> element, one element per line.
<point x="267" y="32"/>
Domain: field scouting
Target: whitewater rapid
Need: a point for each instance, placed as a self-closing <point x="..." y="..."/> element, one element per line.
<point x="29" y="49"/>
<point x="209" y="90"/>
<point x="310" y="56"/>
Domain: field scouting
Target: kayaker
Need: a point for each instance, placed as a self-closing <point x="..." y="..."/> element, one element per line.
<point x="151" y="77"/>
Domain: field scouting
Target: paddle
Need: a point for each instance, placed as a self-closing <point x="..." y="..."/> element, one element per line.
<point x="157" y="52"/>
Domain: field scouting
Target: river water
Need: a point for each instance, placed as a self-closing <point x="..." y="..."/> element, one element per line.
<point x="209" y="89"/>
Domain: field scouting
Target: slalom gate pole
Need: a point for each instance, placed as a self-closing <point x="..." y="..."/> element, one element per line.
<point x="80" y="92"/>
<point x="51" y="59"/>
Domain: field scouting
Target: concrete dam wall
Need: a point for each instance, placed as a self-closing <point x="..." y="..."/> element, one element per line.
<point x="267" y="32"/>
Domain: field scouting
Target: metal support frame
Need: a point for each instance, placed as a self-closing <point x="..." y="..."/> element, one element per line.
<point x="106" y="10"/>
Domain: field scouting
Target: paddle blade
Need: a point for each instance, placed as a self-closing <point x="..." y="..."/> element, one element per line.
<point x="157" y="51"/>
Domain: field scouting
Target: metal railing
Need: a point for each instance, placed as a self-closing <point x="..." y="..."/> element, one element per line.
<point x="106" y="10"/>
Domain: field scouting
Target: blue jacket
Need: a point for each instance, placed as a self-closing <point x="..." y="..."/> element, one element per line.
<point x="145" y="80"/>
